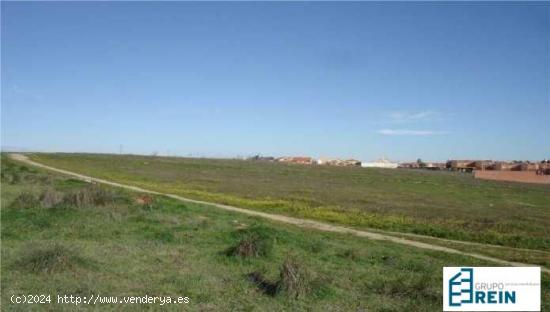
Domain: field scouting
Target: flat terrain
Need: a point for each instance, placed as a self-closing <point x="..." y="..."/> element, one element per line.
<point x="63" y="236"/>
<point x="439" y="204"/>
<point x="515" y="176"/>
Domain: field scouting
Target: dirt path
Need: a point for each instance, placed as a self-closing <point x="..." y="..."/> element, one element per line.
<point x="290" y="220"/>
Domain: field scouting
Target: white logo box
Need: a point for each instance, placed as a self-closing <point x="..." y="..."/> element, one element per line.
<point x="491" y="289"/>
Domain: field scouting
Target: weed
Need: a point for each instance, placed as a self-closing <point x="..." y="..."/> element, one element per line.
<point x="47" y="258"/>
<point x="50" y="198"/>
<point x="162" y="236"/>
<point x="133" y="258"/>
<point x="438" y="204"/>
<point x="294" y="278"/>
<point x="25" y="200"/>
<point x="256" y="241"/>
<point x="408" y="286"/>
<point x="15" y="174"/>
<point x="351" y="254"/>
<point x="89" y="196"/>
<point x="67" y="184"/>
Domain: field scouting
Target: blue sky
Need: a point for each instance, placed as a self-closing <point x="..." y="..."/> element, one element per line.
<point x="351" y="79"/>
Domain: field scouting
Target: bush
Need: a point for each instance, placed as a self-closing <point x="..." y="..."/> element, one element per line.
<point x="256" y="241"/>
<point x="47" y="258"/>
<point x="15" y="174"/>
<point x="248" y="247"/>
<point x="89" y="196"/>
<point x="50" y="198"/>
<point x="25" y="200"/>
<point x="294" y="278"/>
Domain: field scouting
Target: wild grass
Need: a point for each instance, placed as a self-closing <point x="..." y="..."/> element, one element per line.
<point x="439" y="204"/>
<point x="48" y="257"/>
<point x="294" y="278"/>
<point x="256" y="241"/>
<point x="25" y="200"/>
<point x="174" y="249"/>
<point x="88" y="196"/>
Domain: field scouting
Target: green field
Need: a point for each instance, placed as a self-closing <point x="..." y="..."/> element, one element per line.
<point x="438" y="204"/>
<point x="62" y="236"/>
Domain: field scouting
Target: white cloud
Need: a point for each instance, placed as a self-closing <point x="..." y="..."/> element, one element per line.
<point x="409" y="132"/>
<point x="401" y="116"/>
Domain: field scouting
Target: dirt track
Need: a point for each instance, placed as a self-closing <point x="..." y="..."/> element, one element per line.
<point x="290" y="220"/>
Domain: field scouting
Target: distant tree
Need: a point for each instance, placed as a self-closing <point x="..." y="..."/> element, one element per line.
<point x="420" y="163"/>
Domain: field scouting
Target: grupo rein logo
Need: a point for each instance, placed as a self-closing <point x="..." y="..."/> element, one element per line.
<point x="491" y="289"/>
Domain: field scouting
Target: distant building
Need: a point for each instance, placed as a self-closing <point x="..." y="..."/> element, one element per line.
<point x="325" y="160"/>
<point x="435" y="166"/>
<point x="528" y="166"/>
<point x="353" y="162"/>
<point x="338" y="162"/>
<point x="460" y="165"/>
<point x="409" y="165"/>
<point x="514" y="166"/>
<point x="261" y="158"/>
<point x="501" y="165"/>
<point x="544" y="167"/>
<point x="380" y="163"/>
<point x="296" y="160"/>
<point x="482" y="164"/>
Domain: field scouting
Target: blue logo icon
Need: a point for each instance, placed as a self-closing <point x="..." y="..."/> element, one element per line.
<point x="461" y="287"/>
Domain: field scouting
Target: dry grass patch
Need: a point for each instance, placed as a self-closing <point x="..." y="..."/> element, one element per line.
<point x="48" y="257"/>
<point x="256" y="241"/>
<point x="89" y="196"/>
<point x="294" y="278"/>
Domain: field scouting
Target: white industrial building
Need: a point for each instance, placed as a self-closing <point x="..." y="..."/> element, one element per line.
<point x="380" y="163"/>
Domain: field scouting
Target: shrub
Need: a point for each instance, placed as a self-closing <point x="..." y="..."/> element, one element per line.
<point x="248" y="247"/>
<point x="84" y="197"/>
<point x="256" y="241"/>
<point x="294" y="278"/>
<point x="15" y="178"/>
<point x="14" y="174"/>
<point x="50" y="198"/>
<point x="25" y="200"/>
<point x="89" y="196"/>
<point x="47" y="258"/>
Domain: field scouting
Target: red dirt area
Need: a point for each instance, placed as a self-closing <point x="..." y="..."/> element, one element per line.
<point x="144" y="200"/>
<point x="514" y="176"/>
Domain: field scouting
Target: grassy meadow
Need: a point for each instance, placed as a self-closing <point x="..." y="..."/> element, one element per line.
<point x="439" y="204"/>
<point x="63" y="236"/>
